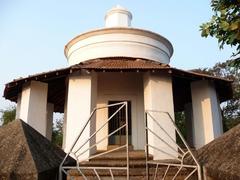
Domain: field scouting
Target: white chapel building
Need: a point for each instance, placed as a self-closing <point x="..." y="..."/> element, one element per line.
<point x="114" y="64"/>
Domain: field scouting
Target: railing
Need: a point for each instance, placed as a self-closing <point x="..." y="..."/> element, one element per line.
<point x="78" y="148"/>
<point x="178" y="157"/>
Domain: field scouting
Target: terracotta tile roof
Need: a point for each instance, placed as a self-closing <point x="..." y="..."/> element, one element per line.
<point x="57" y="86"/>
<point x="120" y="63"/>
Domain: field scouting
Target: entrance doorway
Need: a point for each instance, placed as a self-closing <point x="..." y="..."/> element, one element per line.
<point x="119" y="138"/>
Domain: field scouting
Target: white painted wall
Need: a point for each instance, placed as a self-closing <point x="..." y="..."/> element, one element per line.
<point x="207" y="121"/>
<point x="158" y="96"/>
<point x="124" y="43"/>
<point x="119" y="19"/>
<point x="81" y="99"/>
<point x="32" y="106"/>
<point x="121" y="87"/>
<point x="18" y="109"/>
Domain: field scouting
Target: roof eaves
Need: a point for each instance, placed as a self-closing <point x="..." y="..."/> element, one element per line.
<point x="202" y="75"/>
<point x="39" y="76"/>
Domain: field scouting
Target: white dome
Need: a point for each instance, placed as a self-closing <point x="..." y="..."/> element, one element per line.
<point x="118" y="40"/>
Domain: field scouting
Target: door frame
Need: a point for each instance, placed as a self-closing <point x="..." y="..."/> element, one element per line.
<point x="118" y="138"/>
<point x="103" y="115"/>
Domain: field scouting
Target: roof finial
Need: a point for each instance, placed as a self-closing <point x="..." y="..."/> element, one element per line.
<point x="118" y="16"/>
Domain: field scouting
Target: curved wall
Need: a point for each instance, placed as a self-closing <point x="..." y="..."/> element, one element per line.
<point x="113" y="42"/>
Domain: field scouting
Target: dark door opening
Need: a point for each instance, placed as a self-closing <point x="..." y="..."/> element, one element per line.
<point x="119" y="138"/>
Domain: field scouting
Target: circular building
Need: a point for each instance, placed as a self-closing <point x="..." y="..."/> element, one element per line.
<point x="117" y="64"/>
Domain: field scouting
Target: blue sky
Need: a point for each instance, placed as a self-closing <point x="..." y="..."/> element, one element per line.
<point x="33" y="33"/>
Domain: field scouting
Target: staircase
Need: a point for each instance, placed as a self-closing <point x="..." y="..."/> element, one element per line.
<point x="137" y="167"/>
<point x="122" y="162"/>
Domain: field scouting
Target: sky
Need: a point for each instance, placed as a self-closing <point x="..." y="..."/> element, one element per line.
<point x="33" y="33"/>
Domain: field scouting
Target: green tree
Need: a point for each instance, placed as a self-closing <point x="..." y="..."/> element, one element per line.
<point x="180" y="121"/>
<point x="8" y="115"/>
<point x="225" y="25"/>
<point x="230" y="108"/>
<point x="57" y="132"/>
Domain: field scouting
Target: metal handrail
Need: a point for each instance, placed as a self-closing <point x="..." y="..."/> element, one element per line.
<point x="182" y="164"/>
<point x="64" y="169"/>
<point x="164" y="129"/>
<point x="100" y="127"/>
<point x="105" y="137"/>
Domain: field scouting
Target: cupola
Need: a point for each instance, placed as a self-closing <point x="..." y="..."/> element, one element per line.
<point x="118" y="17"/>
<point x="118" y="39"/>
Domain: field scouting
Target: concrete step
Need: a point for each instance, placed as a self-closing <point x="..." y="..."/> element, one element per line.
<point x="135" y="173"/>
<point x="121" y="155"/>
<point x="110" y="147"/>
<point x="114" y="163"/>
<point x="131" y="178"/>
<point x="137" y="164"/>
<point x="118" y="159"/>
<point x="132" y="172"/>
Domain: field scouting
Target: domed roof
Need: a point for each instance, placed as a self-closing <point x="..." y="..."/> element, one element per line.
<point x="118" y="39"/>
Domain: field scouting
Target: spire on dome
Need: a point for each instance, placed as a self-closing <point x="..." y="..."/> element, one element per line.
<point x="118" y="16"/>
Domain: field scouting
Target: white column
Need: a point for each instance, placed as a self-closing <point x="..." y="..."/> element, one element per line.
<point x="102" y="117"/>
<point x="33" y="105"/>
<point x="18" y="106"/>
<point x="207" y="119"/>
<point x="158" y="96"/>
<point x="65" y="116"/>
<point x="81" y="99"/>
<point x="50" y="110"/>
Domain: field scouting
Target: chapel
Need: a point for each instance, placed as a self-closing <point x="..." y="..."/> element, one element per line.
<point x="115" y="64"/>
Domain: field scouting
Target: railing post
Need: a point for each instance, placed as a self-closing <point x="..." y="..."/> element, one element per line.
<point x="74" y="143"/>
<point x="146" y="147"/>
<point x="200" y="173"/>
<point x="126" y="109"/>
<point x="60" y="173"/>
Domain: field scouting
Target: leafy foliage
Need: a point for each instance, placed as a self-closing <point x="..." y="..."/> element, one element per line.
<point x="225" y="25"/>
<point x="231" y="108"/>
<point x="57" y="132"/>
<point x="180" y="121"/>
<point x="8" y="115"/>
